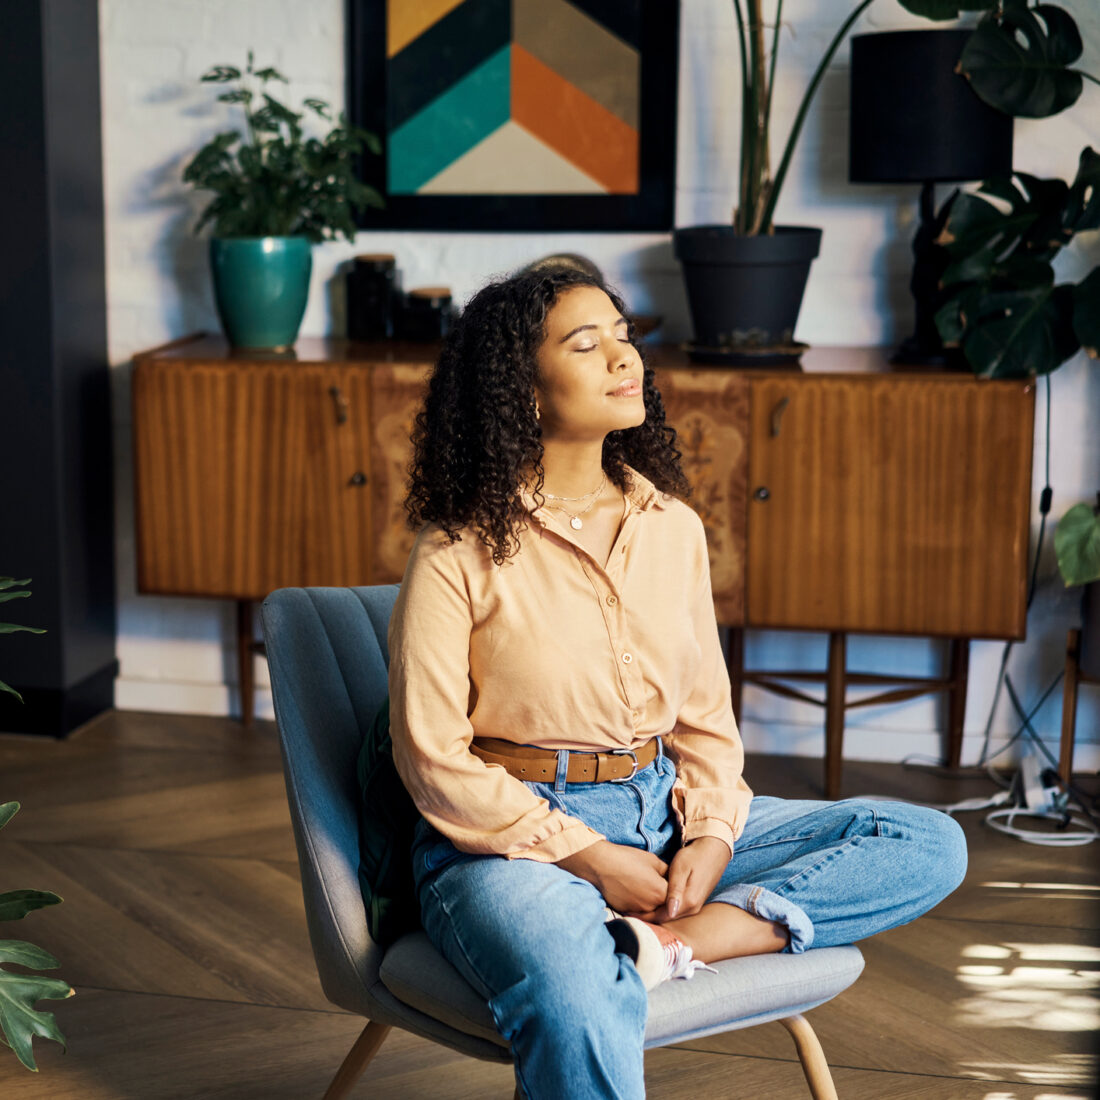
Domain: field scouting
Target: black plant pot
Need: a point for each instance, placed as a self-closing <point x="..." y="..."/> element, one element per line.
<point x="745" y="292"/>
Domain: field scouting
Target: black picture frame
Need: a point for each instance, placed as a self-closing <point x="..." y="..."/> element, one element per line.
<point x="652" y="208"/>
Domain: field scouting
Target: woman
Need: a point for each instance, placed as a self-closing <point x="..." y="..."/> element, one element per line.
<point x="561" y="716"/>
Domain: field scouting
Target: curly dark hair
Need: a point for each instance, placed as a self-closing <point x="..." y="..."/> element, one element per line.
<point x="476" y="435"/>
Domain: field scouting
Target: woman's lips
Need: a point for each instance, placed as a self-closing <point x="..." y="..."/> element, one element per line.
<point x="629" y="388"/>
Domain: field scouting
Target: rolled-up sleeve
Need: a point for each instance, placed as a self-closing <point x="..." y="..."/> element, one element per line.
<point x="710" y="796"/>
<point x="479" y="807"/>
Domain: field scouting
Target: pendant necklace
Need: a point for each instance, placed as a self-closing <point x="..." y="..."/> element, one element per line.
<point x="575" y="520"/>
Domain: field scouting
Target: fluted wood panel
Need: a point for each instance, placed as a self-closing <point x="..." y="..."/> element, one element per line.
<point x="397" y="391"/>
<point x="894" y="504"/>
<point x="337" y="528"/>
<point x="219" y="461"/>
<point x="710" y="411"/>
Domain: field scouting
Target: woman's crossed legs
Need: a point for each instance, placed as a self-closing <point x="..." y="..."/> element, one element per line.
<point x="530" y="938"/>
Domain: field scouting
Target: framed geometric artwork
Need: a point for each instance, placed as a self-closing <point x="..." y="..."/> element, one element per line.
<point x="517" y="114"/>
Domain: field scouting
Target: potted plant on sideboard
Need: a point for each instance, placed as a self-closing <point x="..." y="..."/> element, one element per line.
<point x="745" y="280"/>
<point x="277" y="192"/>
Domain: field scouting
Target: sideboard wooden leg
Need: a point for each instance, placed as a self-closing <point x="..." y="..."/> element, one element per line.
<point x="1069" y="704"/>
<point x="244" y="659"/>
<point x="735" y="662"/>
<point x="835" y="695"/>
<point x="956" y="700"/>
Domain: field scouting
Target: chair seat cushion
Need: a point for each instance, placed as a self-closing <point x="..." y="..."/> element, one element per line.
<point x="744" y="992"/>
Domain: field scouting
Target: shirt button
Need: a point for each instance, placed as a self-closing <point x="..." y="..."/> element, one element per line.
<point x="627" y="658"/>
<point x="612" y="601"/>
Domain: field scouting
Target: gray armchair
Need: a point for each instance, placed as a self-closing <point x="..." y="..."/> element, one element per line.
<point x="327" y="653"/>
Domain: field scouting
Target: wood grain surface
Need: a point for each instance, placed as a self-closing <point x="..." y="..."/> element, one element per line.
<point x="890" y="504"/>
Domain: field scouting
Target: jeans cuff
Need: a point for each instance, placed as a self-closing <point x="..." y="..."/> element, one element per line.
<point x="768" y="906"/>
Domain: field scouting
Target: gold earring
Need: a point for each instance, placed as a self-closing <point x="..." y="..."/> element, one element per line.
<point x="538" y="415"/>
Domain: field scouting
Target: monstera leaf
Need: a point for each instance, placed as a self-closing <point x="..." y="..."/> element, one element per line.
<point x="20" y="1021"/>
<point x="979" y="233"/>
<point x="19" y="993"/>
<point x="1018" y="61"/>
<point x="1077" y="545"/>
<point x="1086" y="313"/>
<point x="1011" y="333"/>
<point x="1083" y="204"/>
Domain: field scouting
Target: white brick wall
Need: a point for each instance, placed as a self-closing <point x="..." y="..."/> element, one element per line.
<point x="177" y="654"/>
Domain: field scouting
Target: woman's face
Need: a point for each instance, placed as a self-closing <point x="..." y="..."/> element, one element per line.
<point x="589" y="374"/>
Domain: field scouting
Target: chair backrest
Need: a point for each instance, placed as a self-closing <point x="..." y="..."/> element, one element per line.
<point x="326" y="649"/>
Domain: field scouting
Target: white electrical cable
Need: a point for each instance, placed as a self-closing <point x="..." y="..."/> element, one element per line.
<point x="1087" y="834"/>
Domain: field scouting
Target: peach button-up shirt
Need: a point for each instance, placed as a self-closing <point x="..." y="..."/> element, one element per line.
<point x="558" y="650"/>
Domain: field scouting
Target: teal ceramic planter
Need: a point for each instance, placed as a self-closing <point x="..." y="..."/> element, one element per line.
<point x="260" y="287"/>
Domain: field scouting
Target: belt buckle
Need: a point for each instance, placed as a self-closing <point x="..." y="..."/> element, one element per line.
<point x="633" y="756"/>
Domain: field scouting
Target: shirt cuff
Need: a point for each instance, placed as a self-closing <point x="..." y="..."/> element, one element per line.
<point x="709" y="826"/>
<point x="560" y="844"/>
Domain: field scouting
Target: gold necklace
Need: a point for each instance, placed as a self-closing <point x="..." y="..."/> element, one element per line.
<point x="575" y="519"/>
<point x="592" y="493"/>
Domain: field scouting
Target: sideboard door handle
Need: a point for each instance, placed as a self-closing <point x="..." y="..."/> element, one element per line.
<point x="341" y="403"/>
<point x="358" y="478"/>
<point x="777" y="413"/>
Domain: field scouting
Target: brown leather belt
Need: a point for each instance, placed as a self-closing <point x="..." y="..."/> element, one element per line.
<point x="541" y="765"/>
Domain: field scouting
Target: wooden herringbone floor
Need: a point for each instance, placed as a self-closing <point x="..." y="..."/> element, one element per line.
<point x="183" y="933"/>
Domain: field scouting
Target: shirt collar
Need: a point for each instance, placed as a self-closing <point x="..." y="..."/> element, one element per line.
<point x="641" y="493"/>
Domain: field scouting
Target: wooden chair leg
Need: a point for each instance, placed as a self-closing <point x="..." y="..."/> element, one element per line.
<point x="1069" y="704"/>
<point x="956" y="700"/>
<point x="835" y="697"/>
<point x="245" y="671"/>
<point x="351" y="1069"/>
<point x="812" y="1058"/>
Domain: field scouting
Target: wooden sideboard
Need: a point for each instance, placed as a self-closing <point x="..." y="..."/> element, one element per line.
<point x="845" y="497"/>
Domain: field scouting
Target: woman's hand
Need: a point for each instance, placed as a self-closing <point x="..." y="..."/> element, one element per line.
<point x="629" y="879"/>
<point x="693" y="874"/>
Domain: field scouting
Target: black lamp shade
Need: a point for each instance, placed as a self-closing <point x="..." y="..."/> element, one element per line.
<point x="914" y="119"/>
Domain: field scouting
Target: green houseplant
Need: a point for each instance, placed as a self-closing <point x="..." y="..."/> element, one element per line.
<point x="277" y="191"/>
<point x="1003" y="306"/>
<point x="20" y="1021"/>
<point x="1077" y="547"/>
<point x="1016" y="60"/>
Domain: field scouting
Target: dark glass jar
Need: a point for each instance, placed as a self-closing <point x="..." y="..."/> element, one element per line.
<point x="372" y="287"/>
<point x="427" y="314"/>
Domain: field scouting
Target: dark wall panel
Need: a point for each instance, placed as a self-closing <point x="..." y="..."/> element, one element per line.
<point x="56" y="519"/>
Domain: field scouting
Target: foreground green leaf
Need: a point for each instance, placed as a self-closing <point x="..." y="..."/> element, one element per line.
<point x="1077" y="545"/>
<point x="20" y="1021"/>
<point x="16" y="904"/>
<point x="7" y="688"/>
<point x="8" y="810"/>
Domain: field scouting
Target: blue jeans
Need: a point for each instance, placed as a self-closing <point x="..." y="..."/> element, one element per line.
<point x="530" y="936"/>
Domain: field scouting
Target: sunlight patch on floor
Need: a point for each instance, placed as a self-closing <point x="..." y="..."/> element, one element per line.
<point x="1062" y="1071"/>
<point x="1074" y="891"/>
<point x="1022" y="985"/>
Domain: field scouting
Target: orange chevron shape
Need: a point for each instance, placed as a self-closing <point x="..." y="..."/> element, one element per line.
<point x="573" y="124"/>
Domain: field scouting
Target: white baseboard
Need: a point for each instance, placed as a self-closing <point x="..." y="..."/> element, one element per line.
<point x="166" y="697"/>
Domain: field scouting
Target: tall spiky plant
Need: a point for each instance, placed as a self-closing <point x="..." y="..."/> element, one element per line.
<point x="1018" y="60"/>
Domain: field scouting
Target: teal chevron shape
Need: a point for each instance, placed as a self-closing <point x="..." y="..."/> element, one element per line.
<point x="450" y="125"/>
